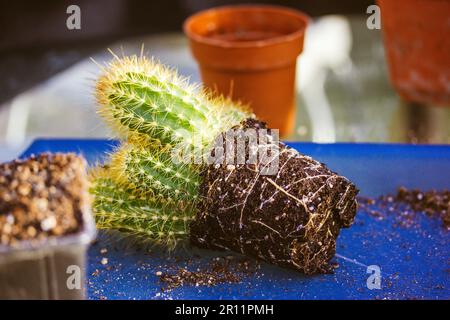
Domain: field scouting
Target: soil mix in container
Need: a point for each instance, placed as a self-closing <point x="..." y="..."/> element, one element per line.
<point x="42" y="196"/>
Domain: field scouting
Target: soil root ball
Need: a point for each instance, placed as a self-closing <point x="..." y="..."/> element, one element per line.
<point x="291" y="218"/>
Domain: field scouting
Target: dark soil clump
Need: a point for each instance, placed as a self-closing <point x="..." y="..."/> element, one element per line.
<point x="290" y="219"/>
<point x="42" y="196"/>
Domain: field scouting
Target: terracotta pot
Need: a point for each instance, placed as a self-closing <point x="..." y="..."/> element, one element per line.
<point x="249" y="52"/>
<point x="417" y="44"/>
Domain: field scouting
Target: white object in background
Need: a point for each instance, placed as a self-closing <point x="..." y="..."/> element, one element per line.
<point x="328" y="43"/>
<point x="19" y="110"/>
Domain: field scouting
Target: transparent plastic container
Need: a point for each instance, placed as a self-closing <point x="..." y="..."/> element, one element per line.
<point x="54" y="268"/>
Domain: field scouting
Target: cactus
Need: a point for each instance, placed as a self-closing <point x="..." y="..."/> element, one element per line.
<point x="142" y="98"/>
<point x="150" y="219"/>
<point x="153" y="109"/>
<point x="152" y="172"/>
<point x="291" y="218"/>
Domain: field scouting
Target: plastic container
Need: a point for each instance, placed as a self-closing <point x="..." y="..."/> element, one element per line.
<point x="52" y="269"/>
<point x="417" y="44"/>
<point x="249" y="52"/>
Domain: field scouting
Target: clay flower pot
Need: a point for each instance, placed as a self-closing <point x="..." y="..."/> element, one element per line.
<point x="417" y="44"/>
<point x="249" y="52"/>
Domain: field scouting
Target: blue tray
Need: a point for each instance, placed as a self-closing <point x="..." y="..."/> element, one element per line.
<point x="414" y="262"/>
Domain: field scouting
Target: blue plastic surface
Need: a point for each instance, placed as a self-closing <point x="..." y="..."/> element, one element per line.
<point x="414" y="262"/>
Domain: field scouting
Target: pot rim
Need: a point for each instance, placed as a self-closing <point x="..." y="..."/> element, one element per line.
<point x="293" y="13"/>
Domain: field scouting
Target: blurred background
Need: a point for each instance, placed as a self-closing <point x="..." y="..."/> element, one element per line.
<point x="343" y="90"/>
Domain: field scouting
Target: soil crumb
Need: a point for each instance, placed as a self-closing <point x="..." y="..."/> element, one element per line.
<point x="218" y="271"/>
<point x="407" y="203"/>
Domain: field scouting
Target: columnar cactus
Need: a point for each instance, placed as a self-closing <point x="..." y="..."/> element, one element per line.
<point x="153" y="172"/>
<point x="161" y="221"/>
<point x="142" y="98"/>
<point x="153" y="109"/>
<point x="290" y="218"/>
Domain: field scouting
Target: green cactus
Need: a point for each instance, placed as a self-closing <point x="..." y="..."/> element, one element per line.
<point x="152" y="172"/>
<point x="155" y="111"/>
<point x="140" y="97"/>
<point x="150" y="192"/>
<point x="151" y="219"/>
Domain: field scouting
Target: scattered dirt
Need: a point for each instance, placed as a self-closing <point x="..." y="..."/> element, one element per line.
<point x="42" y="196"/>
<point x="406" y="204"/>
<point x="290" y="219"/>
<point x="219" y="270"/>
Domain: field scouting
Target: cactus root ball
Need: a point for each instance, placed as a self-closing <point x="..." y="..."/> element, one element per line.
<point x="291" y="218"/>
